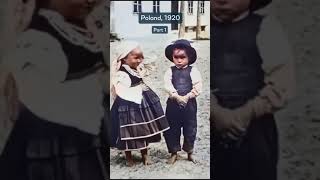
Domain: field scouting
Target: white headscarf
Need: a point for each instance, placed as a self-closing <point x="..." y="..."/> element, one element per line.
<point x="122" y="50"/>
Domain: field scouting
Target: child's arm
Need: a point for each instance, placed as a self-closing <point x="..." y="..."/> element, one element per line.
<point x="279" y="73"/>
<point x="122" y="84"/>
<point x="40" y="67"/>
<point x="278" y="64"/>
<point x="168" y="86"/>
<point x="196" y="82"/>
<point x="196" y="86"/>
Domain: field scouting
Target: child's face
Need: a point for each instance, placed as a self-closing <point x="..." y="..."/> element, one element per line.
<point x="180" y="58"/>
<point x="73" y="9"/>
<point x="134" y="58"/>
<point x="227" y="10"/>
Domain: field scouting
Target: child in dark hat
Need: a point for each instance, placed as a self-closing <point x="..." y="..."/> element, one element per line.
<point x="183" y="83"/>
<point x="251" y="78"/>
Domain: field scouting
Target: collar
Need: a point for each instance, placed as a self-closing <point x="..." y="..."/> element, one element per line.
<point x="182" y="67"/>
<point x="131" y="71"/>
<point x="240" y="17"/>
<point x="76" y="35"/>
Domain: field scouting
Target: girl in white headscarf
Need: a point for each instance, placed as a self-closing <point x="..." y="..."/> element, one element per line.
<point x="136" y="114"/>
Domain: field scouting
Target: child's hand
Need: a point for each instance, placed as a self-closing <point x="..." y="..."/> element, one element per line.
<point x="226" y="123"/>
<point x="180" y="100"/>
<point x="144" y="87"/>
<point x="185" y="99"/>
<point x="141" y="70"/>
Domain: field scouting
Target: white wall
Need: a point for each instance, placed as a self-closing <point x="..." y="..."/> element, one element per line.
<point x="191" y="20"/>
<point x="206" y="18"/>
<point x="126" y="24"/>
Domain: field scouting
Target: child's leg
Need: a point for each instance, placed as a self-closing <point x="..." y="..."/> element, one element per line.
<point x="173" y="158"/>
<point x="190" y="127"/>
<point x="172" y="136"/>
<point x="190" y="158"/>
<point x="129" y="158"/>
<point x="145" y="157"/>
<point x="263" y="148"/>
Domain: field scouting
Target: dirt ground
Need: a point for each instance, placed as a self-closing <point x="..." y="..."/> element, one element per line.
<point x="299" y="124"/>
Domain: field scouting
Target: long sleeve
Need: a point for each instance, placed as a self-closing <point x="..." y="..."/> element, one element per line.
<point x="196" y="81"/>
<point x="40" y="69"/>
<point x="277" y="64"/>
<point x="168" y="86"/>
<point x="123" y="89"/>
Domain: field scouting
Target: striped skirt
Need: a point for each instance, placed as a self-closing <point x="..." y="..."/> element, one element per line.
<point x="134" y="126"/>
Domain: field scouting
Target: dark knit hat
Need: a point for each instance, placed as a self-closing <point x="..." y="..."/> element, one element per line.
<point x="185" y="44"/>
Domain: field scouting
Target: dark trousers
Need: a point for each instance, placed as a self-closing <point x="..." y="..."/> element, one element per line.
<point x="185" y="118"/>
<point x="255" y="158"/>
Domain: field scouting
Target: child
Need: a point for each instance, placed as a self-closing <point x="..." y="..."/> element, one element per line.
<point x="183" y="84"/>
<point x="137" y="115"/>
<point x="56" y="65"/>
<point x="252" y="77"/>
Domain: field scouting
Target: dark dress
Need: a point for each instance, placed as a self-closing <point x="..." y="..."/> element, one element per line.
<point x="238" y="75"/>
<point x="41" y="150"/>
<point x="134" y="125"/>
